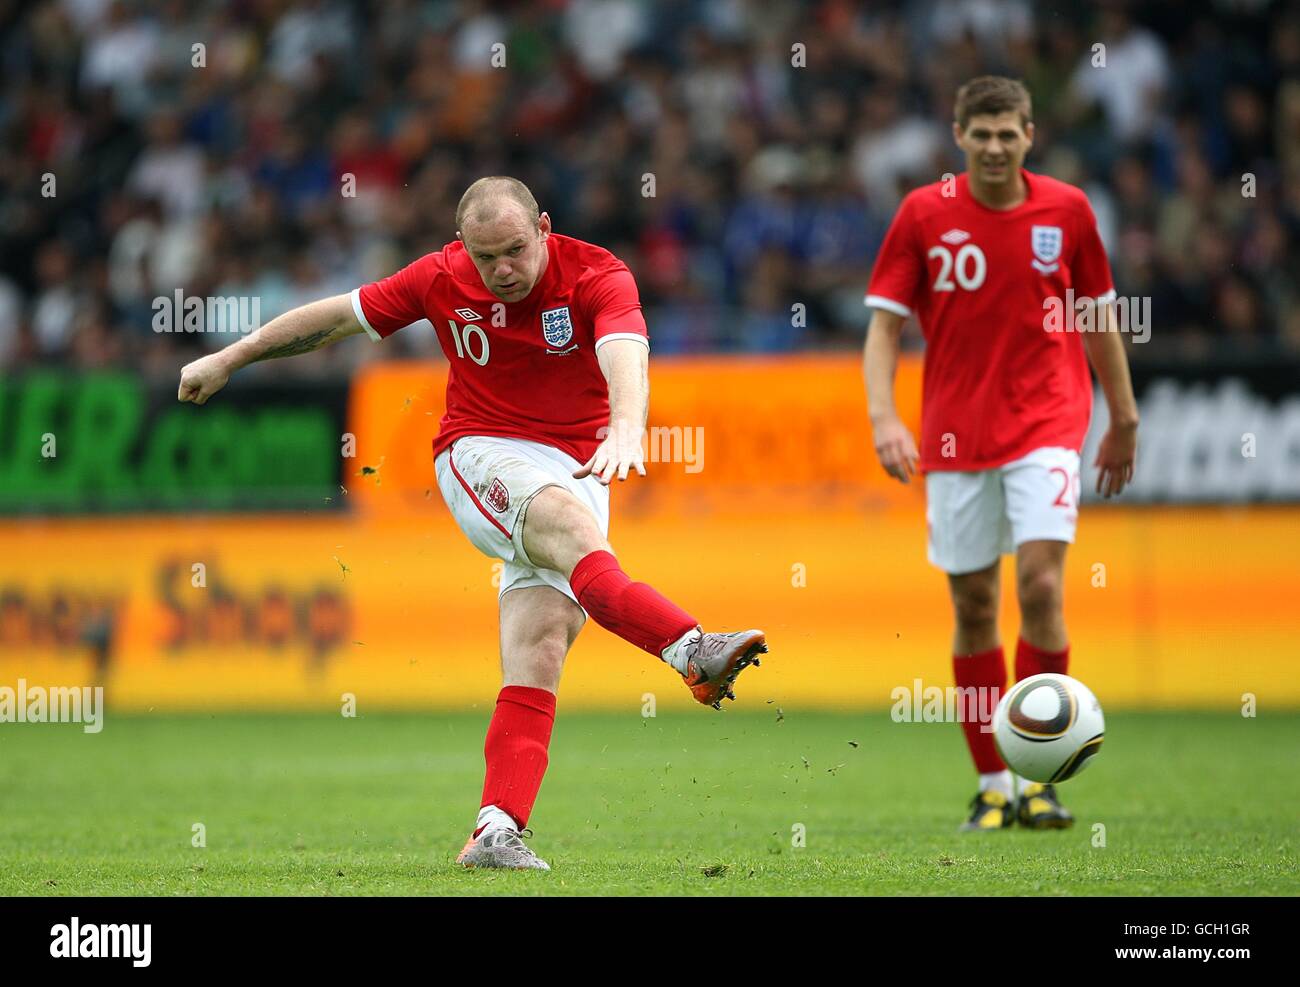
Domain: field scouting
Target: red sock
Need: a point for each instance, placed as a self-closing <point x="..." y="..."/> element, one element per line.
<point x="1031" y="660"/>
<point x="987" y="670"/>
<point x="634" y="611"/>
<point x="515" y="750"/>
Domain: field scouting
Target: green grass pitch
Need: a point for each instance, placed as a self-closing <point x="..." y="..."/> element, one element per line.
<point x="689" y="802"/>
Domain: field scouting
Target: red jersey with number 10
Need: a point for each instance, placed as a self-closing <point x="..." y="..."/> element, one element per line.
<point x="524" y="369"/>
<point x="998" y="382"/>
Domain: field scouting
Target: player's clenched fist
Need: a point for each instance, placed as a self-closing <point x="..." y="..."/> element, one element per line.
<point x="202" y="379"/>
<point x="896" y="449"/>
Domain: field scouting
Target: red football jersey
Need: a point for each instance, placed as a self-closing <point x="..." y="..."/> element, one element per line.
<point x="996" y="384"/>
<point x="534" y="375"/>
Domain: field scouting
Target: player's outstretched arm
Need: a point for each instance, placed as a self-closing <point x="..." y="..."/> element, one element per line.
<point x="1117" y="454"/>
<point x="300" y="330"/>
<point x="626" y="366"/>
<point x="894" y="443"/>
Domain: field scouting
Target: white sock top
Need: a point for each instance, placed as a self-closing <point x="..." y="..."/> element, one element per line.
<point x="490" y="817"/>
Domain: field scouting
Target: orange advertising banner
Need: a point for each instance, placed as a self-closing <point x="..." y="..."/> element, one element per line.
<point x="725" y="435"/>
<point x="1165" y="608"/>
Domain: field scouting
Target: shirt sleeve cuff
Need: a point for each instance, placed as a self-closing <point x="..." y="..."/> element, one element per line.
<point x="622" y="335"/>
<point x="361" y="316"/>
<point x="888" y="304"/>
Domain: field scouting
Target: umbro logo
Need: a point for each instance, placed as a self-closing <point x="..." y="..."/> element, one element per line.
<point x="955" y="237"/>
<point x="469" y="315"/>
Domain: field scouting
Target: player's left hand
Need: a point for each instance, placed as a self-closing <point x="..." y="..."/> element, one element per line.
<point x="1116" y="459"/>
<point x="617" y="455"/>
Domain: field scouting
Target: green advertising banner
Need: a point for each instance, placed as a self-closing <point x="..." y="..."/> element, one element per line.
<point x="72" y="443"/>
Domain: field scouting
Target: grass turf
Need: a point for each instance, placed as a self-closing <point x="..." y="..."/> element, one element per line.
<point x="689" y="802"/>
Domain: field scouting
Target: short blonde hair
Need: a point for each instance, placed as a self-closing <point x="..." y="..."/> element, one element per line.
<point x="485" y="195"/>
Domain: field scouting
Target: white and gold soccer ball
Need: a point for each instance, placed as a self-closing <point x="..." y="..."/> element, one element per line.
<point x="1048" y="727"/>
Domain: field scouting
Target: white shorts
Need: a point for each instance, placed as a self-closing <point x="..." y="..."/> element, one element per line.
<point x="973" y="518"/>
<point x="488" y="483"/>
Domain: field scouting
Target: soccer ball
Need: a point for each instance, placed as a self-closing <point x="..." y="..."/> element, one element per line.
<point x="1048" y="727"/>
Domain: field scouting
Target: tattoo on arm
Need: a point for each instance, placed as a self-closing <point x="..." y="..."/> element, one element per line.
<point x="303" y="344"/>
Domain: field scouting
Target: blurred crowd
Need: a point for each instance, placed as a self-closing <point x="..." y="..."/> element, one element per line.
<point x="743" y="156"/>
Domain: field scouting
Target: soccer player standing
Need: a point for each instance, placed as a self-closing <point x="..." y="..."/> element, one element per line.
<point x="547" y="397"/>
<point x="985" y="261"/>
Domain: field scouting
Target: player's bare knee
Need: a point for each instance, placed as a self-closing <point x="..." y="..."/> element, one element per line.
<point x="565" y="630"/>
<point x="559" y="530"/>
<point x="1039" y="591"/>
<point x="538" y="660"/>
<point x="546" y="658"/>
<point x="975" y="600"/>
<point x="976" y="612"/>
<point x="582" y="534"/>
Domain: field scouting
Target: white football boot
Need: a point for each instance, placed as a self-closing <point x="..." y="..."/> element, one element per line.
<point x="500" y="847"/>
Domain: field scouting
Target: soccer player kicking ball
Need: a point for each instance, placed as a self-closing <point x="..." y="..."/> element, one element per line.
<point x="546" y="404"/>
<point x="984" y="261"/>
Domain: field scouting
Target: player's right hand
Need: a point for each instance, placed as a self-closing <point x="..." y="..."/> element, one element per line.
<point x="896" y="449"/>
<point x="202" y="378"/>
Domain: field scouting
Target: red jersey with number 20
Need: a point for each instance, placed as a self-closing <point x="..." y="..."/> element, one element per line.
<point x="996" y="383"/>
<point x="524" y="369"/>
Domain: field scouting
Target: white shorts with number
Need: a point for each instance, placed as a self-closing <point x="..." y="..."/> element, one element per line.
<point x="488" y="483"/>
<point x="974" y="517"/>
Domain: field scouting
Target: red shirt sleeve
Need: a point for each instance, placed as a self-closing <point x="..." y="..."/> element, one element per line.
<point x="385" y="306"/>
<point x="899" y="271"/>
<point x="1090" y="275"/>
<point x="614" y="304"/>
